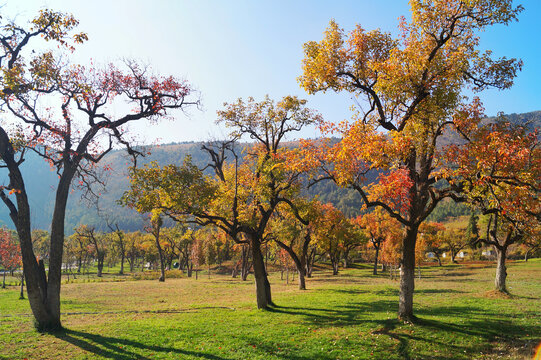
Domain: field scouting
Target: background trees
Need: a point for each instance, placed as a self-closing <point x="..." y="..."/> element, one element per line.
<point x="431" y="234"/>
<point x="97" y="243"/>
<point x="379" y="227"/>
<point x="294" y="234"/>
<point x="10" y="254"/>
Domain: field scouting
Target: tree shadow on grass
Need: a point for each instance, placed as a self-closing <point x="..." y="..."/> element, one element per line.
<point x="439" y="291"/>
<point x="461" y="273"/>
<point x="338" y="316"/>
<point x="496" y="330"/>
<point x="122" y="349"/>
<point x="349" y="291"/>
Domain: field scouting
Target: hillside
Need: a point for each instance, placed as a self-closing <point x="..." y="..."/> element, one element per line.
<point x="41" y="184"/>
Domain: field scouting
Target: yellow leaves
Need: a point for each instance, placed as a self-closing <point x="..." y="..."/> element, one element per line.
<point x="55" y="26"/>
<point x="323" y="60"/>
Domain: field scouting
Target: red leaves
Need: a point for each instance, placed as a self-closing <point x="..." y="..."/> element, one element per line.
<point x="393" y="188"/>
<point x="10" y="251"/>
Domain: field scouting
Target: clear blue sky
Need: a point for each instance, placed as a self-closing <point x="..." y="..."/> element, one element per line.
<point x="230" y="49"/>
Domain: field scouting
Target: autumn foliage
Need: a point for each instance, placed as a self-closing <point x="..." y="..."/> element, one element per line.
<point x="409" y="91"/>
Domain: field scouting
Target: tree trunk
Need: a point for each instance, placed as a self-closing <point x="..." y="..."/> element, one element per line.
<point x="21" y="295"/>
<point x="407" y="275"/>
<point x="453" y="256"/>
<point x="181" y="265"/>
<point x="122" y="257"/>
<point x="526" y="255"/>
<point x="262" y="285"/>
<point x="300" y="262"/>
<point x="101" y="258"/>
<point x="20" y="215"/>
<point x="334" y="263"/>
<point x="302" y="280"/>
<point x="4" y="279"/>
<point x="57" y="247"/>
<point x="245" y="263"/>
<point x="310" y="263"/>
<point x="160" y="252"/>
<point x="376" y="260"/>
<point x="501" y="271"/>
<point x="345" y="259"/>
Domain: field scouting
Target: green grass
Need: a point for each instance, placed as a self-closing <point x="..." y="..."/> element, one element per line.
<point x="350" y="316"/>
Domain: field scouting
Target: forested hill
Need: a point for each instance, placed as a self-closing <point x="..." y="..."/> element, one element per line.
<point x="41" y="183"/>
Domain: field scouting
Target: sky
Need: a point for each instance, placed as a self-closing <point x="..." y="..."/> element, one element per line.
<point x="241" y="48"/>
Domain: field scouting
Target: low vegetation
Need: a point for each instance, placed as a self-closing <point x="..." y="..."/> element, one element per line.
<point x="349" y="316"/>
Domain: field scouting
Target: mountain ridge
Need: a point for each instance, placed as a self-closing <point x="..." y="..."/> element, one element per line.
<point x="41" y="183"/>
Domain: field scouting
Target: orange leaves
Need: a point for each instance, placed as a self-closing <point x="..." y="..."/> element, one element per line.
<point x="379" y="225"/>
<point x="501" y="171"/>
<point x="467" y="117"/>
<point x="394" y="189"/>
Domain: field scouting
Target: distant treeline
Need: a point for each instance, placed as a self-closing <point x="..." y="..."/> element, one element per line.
<point x="41" y="182"/>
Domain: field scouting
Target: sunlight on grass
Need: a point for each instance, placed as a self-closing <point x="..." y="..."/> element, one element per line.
<point x="349" y="316"/>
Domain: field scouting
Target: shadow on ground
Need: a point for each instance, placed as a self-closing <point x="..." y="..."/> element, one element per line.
<point x="445" y="328"/>
<point x="498" y="331"/>
<point x="122" y="349"/>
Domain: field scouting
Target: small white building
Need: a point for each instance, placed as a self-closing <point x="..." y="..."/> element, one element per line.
<point x="489" y="253"/>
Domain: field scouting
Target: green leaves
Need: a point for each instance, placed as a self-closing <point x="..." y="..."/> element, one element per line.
<point x="173" y="190"/>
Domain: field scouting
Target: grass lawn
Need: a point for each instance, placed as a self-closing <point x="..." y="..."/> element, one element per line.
<point x="349" y="316"/>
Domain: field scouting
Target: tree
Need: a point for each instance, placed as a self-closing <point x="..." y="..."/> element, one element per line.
<point x="10" y="254"/>
<point x="244" y="261"/>
<point x="294" y="236"/>
<point x="134" y="250"/>
<point x="119" y="242"/>
<point x="97" y="243"/>
<point x="380" y="227"/>
<point x="455" y="240"/>
<point x="184" y="242"/>
<point x="500" y="170"/>
<point x="70" y="255"/>
<point x="244" y="193"/>
<point x="334" y="234"/>
<point x="156" y="223"/>
<point x="80" y="247"/>
<point x="532" y="244"/>
<point x="41" y="243"/>
<point x="411" y="91"/>
<point x="473" y="228"/>
<point x="432" y="238"/>
<point x="73" y="134"/>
